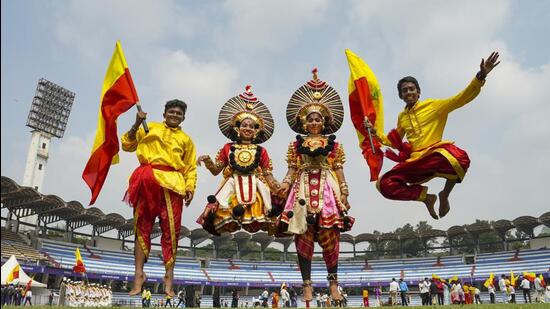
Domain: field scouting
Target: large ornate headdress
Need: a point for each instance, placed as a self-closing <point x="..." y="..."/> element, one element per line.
<point x="243" y="106"/>
<point x="315" y="96"/>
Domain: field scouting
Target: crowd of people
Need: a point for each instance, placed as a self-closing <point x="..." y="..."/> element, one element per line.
<point x="437" y="291"/>
<point x="287" y="297"/>
<point x="84" y="294"/>
<point x="16" y="295"/>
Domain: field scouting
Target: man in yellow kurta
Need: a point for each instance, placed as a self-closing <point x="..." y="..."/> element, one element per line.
<point x="165" y="180"/>
<point x="426" y="155"/>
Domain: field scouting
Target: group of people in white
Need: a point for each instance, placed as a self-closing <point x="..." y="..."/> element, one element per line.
<point x="442" y="292"/>
<point x="82" y="294"/>
<point x="541" y="292"/>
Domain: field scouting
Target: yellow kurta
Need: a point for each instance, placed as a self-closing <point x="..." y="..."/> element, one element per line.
<point x="424" y="123"/>
<point x="169" y="147"/>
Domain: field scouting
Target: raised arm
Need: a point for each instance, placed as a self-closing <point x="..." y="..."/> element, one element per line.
<point x="129" y="139"/>
<point x="473" y="89"/>
<point x="487" y="66"/>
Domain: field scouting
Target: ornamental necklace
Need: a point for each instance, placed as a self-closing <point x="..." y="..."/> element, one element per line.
<point x="244" y="158"/>
<point x="319" y="151"/>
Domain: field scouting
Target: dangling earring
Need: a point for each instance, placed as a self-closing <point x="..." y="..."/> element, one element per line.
<point x="237" y="131"/>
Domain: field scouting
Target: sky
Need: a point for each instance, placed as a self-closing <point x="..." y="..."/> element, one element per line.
<point x="205" y="52"/>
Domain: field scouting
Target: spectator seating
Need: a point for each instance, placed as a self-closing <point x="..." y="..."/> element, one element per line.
<point x="11" y="236"/>
<point x="350" y="272"/>
<point x="118" y="262"/>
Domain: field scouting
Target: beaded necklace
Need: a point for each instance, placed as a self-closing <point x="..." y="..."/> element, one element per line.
<point x="244" y="169"/>
<point x="321" y="151"/>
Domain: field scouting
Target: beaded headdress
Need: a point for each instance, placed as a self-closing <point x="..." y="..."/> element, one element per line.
<point x="242" y="106"/>
<point x="316" y="96"/>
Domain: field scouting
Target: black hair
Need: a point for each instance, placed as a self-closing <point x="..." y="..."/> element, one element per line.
<point x="407" y="79"/>
<point x="175" y="103"/>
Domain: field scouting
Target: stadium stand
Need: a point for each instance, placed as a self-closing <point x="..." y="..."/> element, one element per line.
<point x="119" y="263"/>
<point x="351" y="272"/>
<point x="14" y="244"/>
<point x="56" y="258"/>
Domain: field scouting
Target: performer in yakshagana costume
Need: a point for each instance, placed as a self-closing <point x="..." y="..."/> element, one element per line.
<point x="160" y="186"/>
<point x="315" y="187"/>
<point x="425" y="155"/>
<point x="243" y="199"/>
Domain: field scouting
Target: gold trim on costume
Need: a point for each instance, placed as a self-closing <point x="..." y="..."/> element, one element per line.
<point x="173" y="235"/>
<point x="454" y="162"/>
<point x="138" y="233"/>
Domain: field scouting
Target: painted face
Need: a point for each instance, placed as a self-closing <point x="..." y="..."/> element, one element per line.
<point x="174" y="116"/>
<point x="247" y="129"/>
<point x="314" y="123"/>
<point x="409" y="93"/>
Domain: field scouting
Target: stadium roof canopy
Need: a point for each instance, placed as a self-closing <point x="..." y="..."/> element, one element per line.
<point x="456" y="230"/>
<point x="25" y="201"/>
<point x="262" y="238"/>
<point x="545" y="219"/>
<point x="109" y="222"/>
<point x="432" y="234"/>
<point x="478" y="228"/>
<point x="526" y="224"/>
<point x="347" y="238"/>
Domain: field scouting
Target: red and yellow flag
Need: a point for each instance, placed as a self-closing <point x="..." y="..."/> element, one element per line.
<point x="117" y="96"/>
<point x="14" y="274"/>
<point x="530" y="276"/>
<point x="437" y="278"/>
<point x="542" y="280"/>
<point x="365" y="100"/>
<point x="489" y="281"/>
<point x="79" y="264"/>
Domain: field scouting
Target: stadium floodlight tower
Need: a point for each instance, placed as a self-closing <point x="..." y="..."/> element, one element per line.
<point x="48" y="117"/>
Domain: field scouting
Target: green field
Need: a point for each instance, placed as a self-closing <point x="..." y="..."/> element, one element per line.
<point x="488" y="306"/>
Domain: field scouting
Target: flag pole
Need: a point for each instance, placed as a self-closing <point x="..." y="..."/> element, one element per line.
<point x="143" y="123"/>
<point x="370" y="135"/>
<point x="370" y="140"/>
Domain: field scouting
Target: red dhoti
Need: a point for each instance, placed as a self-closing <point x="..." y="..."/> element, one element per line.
<point x="150" y="201"/>
<point x="403" y="181"/>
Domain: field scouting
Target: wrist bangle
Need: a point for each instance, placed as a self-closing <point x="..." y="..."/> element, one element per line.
<point x="480" y="76"/>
